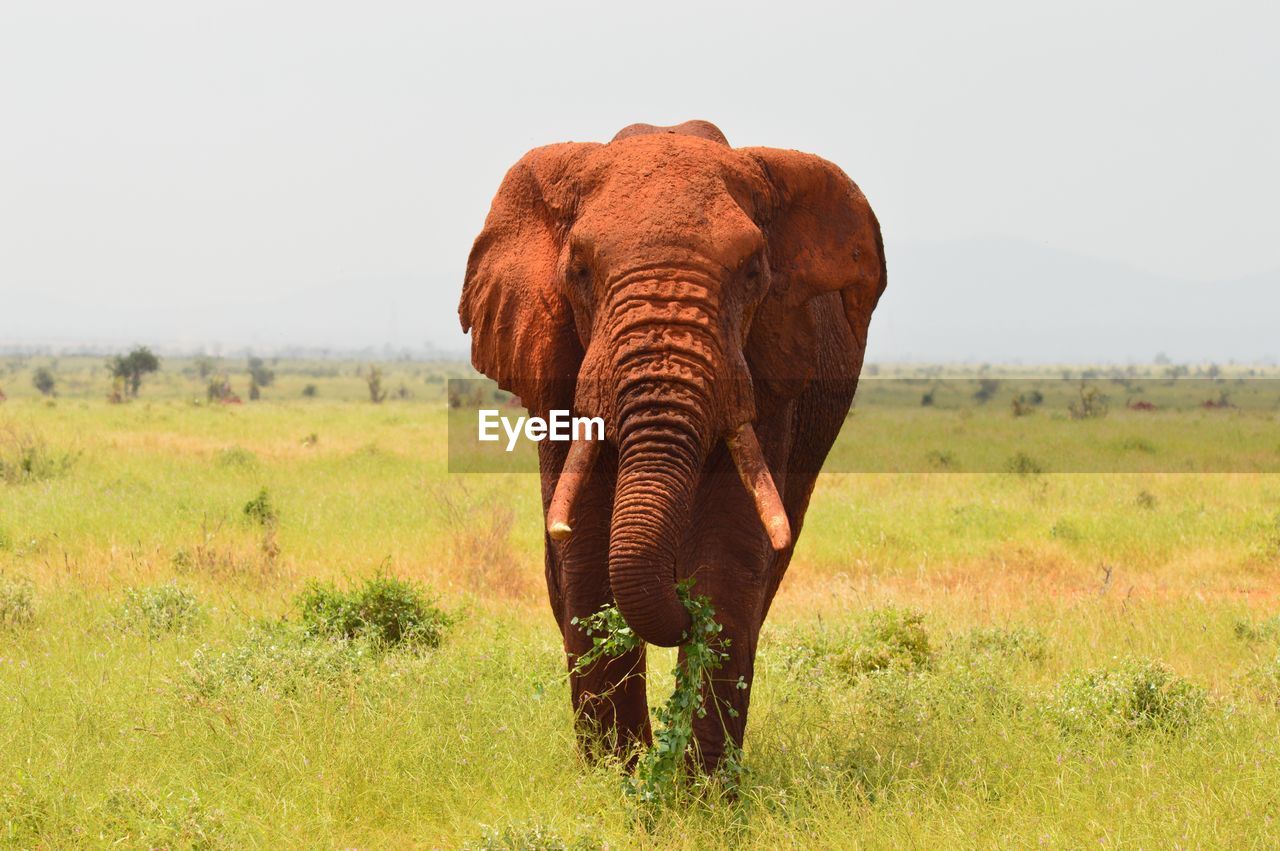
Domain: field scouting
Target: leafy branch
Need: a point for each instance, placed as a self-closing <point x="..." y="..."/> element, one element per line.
<point x="659" y="770"/>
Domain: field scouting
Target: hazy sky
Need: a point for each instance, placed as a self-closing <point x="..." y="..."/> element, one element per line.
<point x="315" y="173"/>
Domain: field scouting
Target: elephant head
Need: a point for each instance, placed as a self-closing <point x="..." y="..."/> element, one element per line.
<point x="654" y="281"/>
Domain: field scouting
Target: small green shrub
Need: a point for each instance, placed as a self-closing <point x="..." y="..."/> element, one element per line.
<point x="1146" y="500"/>
<point x="17" y="602"/>
<point x="1065" y="530"/>
<point x="44" y="380"/>
<point x="275" y="659"/>
<point x="940" y="459"/>
<point x="136" y="817"/>
<point x="1133" y="696"/>
<point x="377" y="393"/>
<point x="219" y="389"/>
<point x="1022" y="464"/>
<point x="386" y="610"/>
<point x="987" y="389"/>
<point x="158" y="608"/>
<point x="891" y="638"/>
<point x="1252" y="631"/>
<point x="1025" y="404"/>
<point x="1091" y="405"/>
<point x="26" y="457"/>
<point x="806" y="654"/>
<point x="1264" y="680"/>
<point x="1019" y="643"/>
<point x="260" y="510"/>
<point x="1136" y="444"/>
<point x="235" y="457"/>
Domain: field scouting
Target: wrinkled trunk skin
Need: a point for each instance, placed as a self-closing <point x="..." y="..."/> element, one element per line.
<point x="666" y="412"/>
<point x="657" y="471"/>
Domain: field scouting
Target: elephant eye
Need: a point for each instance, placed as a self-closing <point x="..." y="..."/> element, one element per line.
<point x="577" y="270"/>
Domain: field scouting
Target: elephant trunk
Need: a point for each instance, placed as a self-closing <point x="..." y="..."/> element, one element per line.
<point x="657" y="469"/>
<point x="665" y="354"/>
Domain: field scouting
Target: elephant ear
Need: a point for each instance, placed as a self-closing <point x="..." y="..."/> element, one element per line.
<point x="822" y="238"/>
<point x="522" y="330"/>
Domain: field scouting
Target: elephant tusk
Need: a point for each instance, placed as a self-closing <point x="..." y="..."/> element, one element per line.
<point x="573" y="475"/>
<point x="746" y="453"/>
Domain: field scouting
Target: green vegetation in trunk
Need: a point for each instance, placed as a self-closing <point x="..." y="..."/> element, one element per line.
<point x="658" y="775"/>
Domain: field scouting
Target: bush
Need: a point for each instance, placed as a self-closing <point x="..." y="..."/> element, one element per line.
<point x="259" y="374"/>
<point x="1136" y="444"/>
<point x="1133" y="696"/>
<point x="987" y="389"/>
<point x="1022" y="464"/>
<point x="310" y="391"/>
<point x="43" y="380"/>
<point x="1026" y="403"/>
<point x="940" y="459"/>
<point x="1264" y="630"/>
<point x="235" y="457"/>
<point x="1092" y="404"/>
<point x="374" y="379"/>
<point x="158" y="608"/>
<point x="891" y="638"/>
<point x="219" y="390"/>
<point x="1019" y="643"/>
<point x="1064" y="530"/>
<point x="275" y="659"/>
<point x="1265" y="680"/>
<point x="260" y="510"/>
<point x="141" y="818"/>
<point x="25" y="457"/>
<point x="385" y="610"/>
<point x="17" y="602"/>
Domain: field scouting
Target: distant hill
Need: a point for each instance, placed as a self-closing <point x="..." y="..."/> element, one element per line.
<point x="1005" y="300"/>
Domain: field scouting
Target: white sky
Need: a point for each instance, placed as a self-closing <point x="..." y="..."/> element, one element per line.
<point x="315" y="172"/>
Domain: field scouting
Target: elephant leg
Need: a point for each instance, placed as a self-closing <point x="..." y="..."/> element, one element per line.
<point x="609" y="704"/>
<point x="727" y="695"/>
<point x="730" y="561"/>
<point x="612" y="716"/>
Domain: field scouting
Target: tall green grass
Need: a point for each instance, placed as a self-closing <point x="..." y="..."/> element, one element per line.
<point x="955" y="659"/>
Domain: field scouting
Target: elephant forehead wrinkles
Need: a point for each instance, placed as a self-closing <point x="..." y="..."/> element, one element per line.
<point x="640" y="343"/>
<point x="680" y="288"/>
<point x="634" y="313"/>
<point x="664" y="378"/>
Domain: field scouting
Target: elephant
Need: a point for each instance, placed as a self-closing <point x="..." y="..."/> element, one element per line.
<point x="711" y="305"/>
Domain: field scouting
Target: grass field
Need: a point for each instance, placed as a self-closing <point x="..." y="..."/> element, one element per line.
<point x="966" y="657"/>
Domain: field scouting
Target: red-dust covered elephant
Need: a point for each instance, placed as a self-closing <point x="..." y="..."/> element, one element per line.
<point x="711" y="305"/>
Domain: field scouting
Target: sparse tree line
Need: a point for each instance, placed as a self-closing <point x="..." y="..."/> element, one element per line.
<point x="128" y="371"/>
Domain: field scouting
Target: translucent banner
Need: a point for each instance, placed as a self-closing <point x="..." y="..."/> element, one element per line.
<point x="1033" y="425"/>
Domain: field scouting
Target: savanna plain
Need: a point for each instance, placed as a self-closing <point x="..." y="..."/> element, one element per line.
<point x="285" y="622"/>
